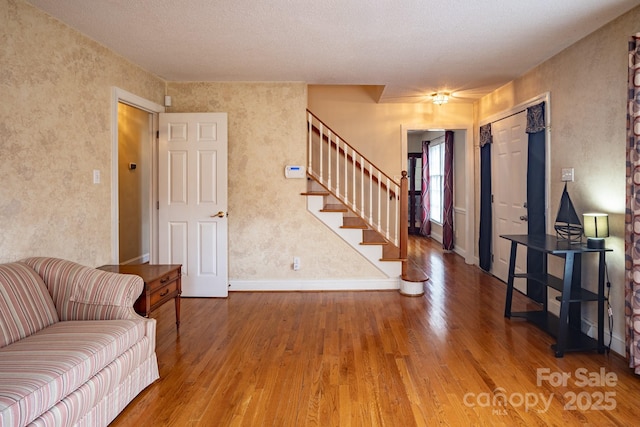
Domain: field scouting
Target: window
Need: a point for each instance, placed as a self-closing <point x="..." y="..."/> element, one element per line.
<point x="436" y="178"/>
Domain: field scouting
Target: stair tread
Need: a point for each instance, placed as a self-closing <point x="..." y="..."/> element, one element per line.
<point x="334" y="208"/>
<point x="372" y="237"/>
<point x="353" y="221"/>
<point x="315" y="193"/>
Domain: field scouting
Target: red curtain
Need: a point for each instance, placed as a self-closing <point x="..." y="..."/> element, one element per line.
<point x="425" y="226"/>
<point x="447" y="208"/>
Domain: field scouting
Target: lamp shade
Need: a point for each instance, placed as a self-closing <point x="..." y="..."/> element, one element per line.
<point x="596" y="225"/>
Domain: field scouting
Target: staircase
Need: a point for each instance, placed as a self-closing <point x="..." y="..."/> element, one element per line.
<point x="360" y="203"/>
<point x="353" y="229"/>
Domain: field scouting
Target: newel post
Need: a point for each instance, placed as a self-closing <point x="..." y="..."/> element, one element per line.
<point x="404" y="218"/>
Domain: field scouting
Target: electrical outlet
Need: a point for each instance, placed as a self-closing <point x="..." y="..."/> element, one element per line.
<point x="96" y="176"/>
<point x="296" y="263"/>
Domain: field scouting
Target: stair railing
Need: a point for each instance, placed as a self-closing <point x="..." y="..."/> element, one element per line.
<point x="358" y="183"/>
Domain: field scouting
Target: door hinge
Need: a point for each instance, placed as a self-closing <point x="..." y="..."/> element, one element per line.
<point x="492" y="198"/>
<point x="157" y="205"/>
<point x="157" y="134"/>
<point x="491" y="257"/>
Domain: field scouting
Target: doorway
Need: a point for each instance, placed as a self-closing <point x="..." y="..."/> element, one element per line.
<point x="464" y="218"/>
<point x="149" y="198"/>
<point x="414" y="175"/>
<point x="135" y="139"/>
<point x="509" y="184"/>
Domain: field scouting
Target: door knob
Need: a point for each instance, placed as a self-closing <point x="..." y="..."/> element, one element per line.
<point x="524" y="218"/>
<point x="219" y="215"/>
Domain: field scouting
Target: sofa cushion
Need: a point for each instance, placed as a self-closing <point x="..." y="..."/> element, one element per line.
<point x="81" y="293"/>
<point x="40" y="370"/>
<point x="113" y="387"/>
<point x="25" y="304"/>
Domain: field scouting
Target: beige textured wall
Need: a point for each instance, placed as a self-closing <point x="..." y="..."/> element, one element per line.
<point x="134" y="185"/>
<point x="55" y="130"/>
<point x="587" y="83"/>
<point x="268" y="220"/>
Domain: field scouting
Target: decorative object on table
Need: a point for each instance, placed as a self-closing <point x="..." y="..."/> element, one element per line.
<point x="568" y="226"/>
<point x="596" y="228"/>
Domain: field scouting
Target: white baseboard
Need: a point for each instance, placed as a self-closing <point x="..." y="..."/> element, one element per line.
<point x="618" y="344"/>
<point x="315" y="285"/>
<point x="590" y="328"/>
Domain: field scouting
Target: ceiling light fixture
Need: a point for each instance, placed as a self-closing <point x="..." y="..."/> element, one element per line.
<point x="440" y="98"/>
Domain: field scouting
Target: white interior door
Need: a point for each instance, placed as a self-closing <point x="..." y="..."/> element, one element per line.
<point x="192" y="195"/>
<point x="509" y="181"/>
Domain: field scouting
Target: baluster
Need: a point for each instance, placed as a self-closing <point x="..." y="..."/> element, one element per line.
<point x="337" y="166"/>
<point x="346" y="175"/>
<point x="310" y="149"/>
<point x="353" y="170"/>
<point x="397" y="211"/>
<point x="321" y="176"/>
<point x="388" y="202"/>
<point x="329" y="159"/>
<point x="362" y="212"/>
<point x="370" y="193"/>
<point x="379" y="201"/>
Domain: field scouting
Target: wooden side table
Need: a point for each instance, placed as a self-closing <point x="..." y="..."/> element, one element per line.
<point x="162" y="282"/>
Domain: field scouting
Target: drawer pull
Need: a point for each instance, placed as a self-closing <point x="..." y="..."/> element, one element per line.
<point x="163" y="293"/>
<point x="165" y="280"/>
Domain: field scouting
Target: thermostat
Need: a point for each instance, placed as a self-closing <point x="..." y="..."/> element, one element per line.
<point x="294" y="171"/>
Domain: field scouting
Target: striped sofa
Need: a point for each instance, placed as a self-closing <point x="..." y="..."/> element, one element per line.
<point x="72" y="349"/>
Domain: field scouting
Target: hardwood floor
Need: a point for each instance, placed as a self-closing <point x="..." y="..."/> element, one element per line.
<point x="376" y="359"/>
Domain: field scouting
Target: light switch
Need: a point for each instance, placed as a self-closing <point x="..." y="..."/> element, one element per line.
<point x="96" y="176"/>
<point x="567" y="175"/>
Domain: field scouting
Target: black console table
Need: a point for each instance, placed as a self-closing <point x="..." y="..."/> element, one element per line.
<point x="566" y="328"/>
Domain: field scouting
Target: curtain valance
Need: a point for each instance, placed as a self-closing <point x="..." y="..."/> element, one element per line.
<point x="485" y="135"/>
<point x="535" y="118"/>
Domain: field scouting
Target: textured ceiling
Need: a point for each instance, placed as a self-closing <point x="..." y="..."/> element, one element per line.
<point x="410" y="47"/>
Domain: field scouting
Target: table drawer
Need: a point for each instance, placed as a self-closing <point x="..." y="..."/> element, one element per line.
<point x="168" y="291"/>
<point x="163" y="281"/>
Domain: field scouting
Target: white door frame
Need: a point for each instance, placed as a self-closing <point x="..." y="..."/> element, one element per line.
<point x="469" y="225"/>
<point x="546" y="97"/>
<point x="121" y="95"/>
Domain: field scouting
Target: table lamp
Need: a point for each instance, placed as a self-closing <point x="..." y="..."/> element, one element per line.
<point x="596" y="228"/>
